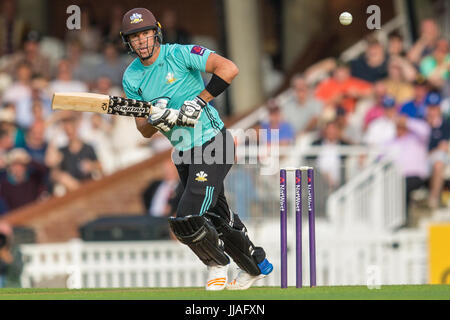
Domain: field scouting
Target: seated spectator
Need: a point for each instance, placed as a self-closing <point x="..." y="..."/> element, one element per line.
<point x="409" y="151"/>
<point x="112" y="66"/>
<point x="8" y="123"/>
<point x="396" y="46"/>
<point x="64" y="81"/>
<point x="425" y="45"/>
<point x="329" y="161"/>
<point x="74" y="163"/>
<point x="161" y="196"/>
<point x="20" y="94"/>
<point x="342" y="89"/>
<point x="301" y="109"/>
<point x="276" y="121"/>
<point x="438" y="148"/>
<point x="377" y="110"/>
<point x="416" y="107"/>
<point x="31" y="54"/>
<point x="436" y="66"/>
<point x="79" y="63"/>
<point x="382" y="129"/>
<point x="35" y="143"/>
<point x="396" y="84"/>
<point x="172" y="32"/>
<point x="371" y="66"/>
<point x="24" y="181"/>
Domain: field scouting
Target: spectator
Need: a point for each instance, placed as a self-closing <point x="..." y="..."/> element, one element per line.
<point x="395" y="46"/>
<point x="6" y="257"/>
<point x="112" y="65"/>
<point x="79" y="62"/>
<point x="342" y="89"/>
<point x="39" y="64"/>
<point x="397" y="53"/>
<point x="12" y="28"/>
<point x="438" y="147"/>
<point x="75" y="162"/>
<point x="382" y="129"/>
<point x="172" y="32"/>
<point x="416" y="107"/>
<point x="64" y="81"/>
<point x="396" y="84"/>
<point x="409" y="151"/>
<point x="436" y="66"/>
<point x="24" y="181"/>
<point x="377" y="110"/>
<point x="8" y="123"/>
<point x="429" y="34"/>
<point x="20" y="94"/>
<point x="275" y="121"/>
<point x="97" y="134"/>
<point x="301" y="109"/>
<point x="329" y="160"/>
<point x="371" y="66"/>
<point x="161" y="197"/>
<point x="35" y="143"/>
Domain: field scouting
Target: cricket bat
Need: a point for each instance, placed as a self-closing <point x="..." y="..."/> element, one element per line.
<point x="100" y="103"/>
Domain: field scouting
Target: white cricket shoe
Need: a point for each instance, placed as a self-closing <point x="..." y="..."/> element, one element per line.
<point x="245" y="280"/>
<point x="217" y="278"/>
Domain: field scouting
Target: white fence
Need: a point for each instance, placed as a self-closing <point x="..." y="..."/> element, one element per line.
<point x="345" y="259"/>
<point x="374" y="199"/>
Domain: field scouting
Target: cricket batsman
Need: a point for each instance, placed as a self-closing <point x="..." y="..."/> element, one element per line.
<point x="169" y="76"/>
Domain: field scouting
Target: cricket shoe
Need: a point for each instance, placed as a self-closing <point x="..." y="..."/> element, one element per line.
<point x="217" y="278"/>
<point x="245" y="280"/>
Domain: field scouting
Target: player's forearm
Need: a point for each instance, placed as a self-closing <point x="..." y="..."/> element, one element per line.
<point x="145" y="128"/>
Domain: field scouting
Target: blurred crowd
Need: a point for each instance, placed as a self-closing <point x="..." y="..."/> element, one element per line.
<point x="391" y="98"/>
<point x="43" y="152"/>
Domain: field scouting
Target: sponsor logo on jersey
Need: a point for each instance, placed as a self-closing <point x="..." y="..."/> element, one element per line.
<point x="198" y="50"/>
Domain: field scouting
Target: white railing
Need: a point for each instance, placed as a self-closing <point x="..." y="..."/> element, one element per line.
<point x="342" y="259"/>
<point x="374" y="199"/>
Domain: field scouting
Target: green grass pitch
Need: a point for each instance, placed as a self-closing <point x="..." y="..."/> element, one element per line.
<point x="400" y="292"/>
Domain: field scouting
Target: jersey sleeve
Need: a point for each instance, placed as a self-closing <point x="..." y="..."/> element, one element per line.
<point x="193" y="57"/>
<point x="129" y="91"/>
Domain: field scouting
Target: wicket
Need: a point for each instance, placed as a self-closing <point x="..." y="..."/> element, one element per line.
<point x="298" y="225"/>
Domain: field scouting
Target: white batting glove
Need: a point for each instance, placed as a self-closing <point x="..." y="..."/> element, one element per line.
<point x="162" y="118"/>
<point x="190" y="112"/>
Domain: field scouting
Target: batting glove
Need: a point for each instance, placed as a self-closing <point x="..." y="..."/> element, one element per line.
<point x="190" y="112"/>
<point x="162" y="118"/>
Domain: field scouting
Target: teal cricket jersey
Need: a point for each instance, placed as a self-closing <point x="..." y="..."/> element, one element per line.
<point x="175" y="76"/>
